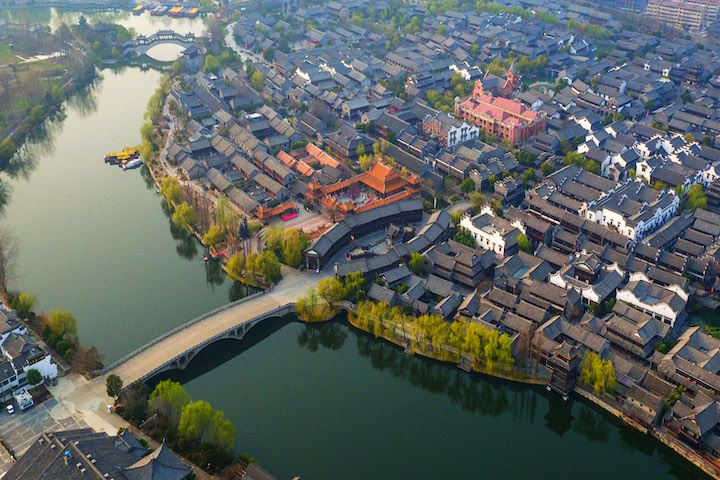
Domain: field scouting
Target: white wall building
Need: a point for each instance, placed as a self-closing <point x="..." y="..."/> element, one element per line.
<point x="493" y="233"/>
<point x="663" y="303"/>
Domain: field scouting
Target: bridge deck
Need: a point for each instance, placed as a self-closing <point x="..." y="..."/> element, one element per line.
<point x="146" y="361"/>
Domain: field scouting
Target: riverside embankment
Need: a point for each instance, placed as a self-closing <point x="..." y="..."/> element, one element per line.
<point x="97" y="242"/>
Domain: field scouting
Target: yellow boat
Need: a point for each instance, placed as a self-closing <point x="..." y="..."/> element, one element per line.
<point x="128" y="153"/>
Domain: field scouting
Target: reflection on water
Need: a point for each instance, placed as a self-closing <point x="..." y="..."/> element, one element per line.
<point x="293" y="389"/>
<point x="144" y="24"/>
<point x="40" y="142"/>
<point x="165" y="52"/>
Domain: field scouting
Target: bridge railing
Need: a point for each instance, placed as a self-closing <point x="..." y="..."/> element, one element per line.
<point x="176" y="330"/>
<point x="284" y="309"/>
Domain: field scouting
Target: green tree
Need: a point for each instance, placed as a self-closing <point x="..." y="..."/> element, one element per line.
<point x="184" y="216"/>
<point x="37" y="113"/>
<point x="660" y="185"/>
<point x="25" y="303"/>
<point x="211" y="64"/>
<point x="631" y="173"/>
<point x="292" y="245"/>
<point x="236" y="267"/>
<point x="477" y="201"/>
<point x="170" y="189"/>
<point x="195" y="420"/>
<point x="34" y="377"/>
<point x="177" y="67"/>
<point x="366" y="162"/>
<point x="307" y="306"/>
<point x="467" y="186"/>
<point x="442" y="29"/>
<point x="225" y="216"/>
<point x="7" y="150"/>
<point x="696" y="198"/>
<point x="416" y="263"/>
<point x="200" y="422"/>
<point x="113" y="385"/>
<point x="598" y="373"/>
<point x="268" y="54"/>
<point x="524" y="244"/>
<point x="62" y="323"/>
<point x="58" y="94"/>
<point x="331" y="290"/>
<point x="706" y="140"/>
<point x="213" y="236"/>
<point x="547" y="168"/>
<point x="574" y="158"/>
<point x="268" y="266"/>
<point x="168" y="399"/>
<point x="258" y="80"/>
<point x="354" y="284"/>
<point x="689" y="137"/>
<point x="497" y="207"/>
<point x="592" y="167"/>
<point x="464" y="237"/>
<point x="528" y="176"/>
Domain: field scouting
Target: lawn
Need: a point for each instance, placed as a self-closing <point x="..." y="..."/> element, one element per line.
<point x="6" y="57"/>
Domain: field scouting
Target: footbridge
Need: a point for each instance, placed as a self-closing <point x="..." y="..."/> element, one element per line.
<point x="142" y="44"/>
<point x="177" y="348"/>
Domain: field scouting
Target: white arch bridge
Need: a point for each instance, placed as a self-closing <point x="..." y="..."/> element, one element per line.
<point x="176" y="348"/>
<point x="142" y="44"/>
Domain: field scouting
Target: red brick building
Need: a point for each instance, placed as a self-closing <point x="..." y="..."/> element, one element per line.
<point x="499" y="86"/>
<point x="506" y="118"/>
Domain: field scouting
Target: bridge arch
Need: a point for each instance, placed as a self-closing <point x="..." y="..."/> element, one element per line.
<point x="142" y="44"/>
<point x="236" y="332"/>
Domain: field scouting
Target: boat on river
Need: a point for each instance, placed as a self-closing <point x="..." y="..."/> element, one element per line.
<point x="132" y="164"/>
<point x="213" y="256"/>
<point x="138" y="9"/>
<point x="128" y="154"/>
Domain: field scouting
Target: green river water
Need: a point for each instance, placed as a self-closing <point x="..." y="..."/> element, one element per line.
<point x="321" y="402"/>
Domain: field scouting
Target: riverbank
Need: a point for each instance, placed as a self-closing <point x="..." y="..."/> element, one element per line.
<point x="448" y="355"/>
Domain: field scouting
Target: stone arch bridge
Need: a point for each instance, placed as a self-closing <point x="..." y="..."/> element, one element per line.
<point x="142" y="44"/>
<point x="177" y="348"/>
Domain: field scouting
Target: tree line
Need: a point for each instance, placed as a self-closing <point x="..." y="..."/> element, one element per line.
<point x="194" y="429"/>
<point x="489" y="349"/>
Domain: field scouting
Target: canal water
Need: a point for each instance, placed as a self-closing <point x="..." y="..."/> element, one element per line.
<point x="326" y="402"/>
<point x="144" y="24"/>
<point x="322" y="402"/>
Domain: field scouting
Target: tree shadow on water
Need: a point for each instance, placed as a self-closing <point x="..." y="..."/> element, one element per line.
<point x="591" y="425"/>
<point x="330" y="335"/>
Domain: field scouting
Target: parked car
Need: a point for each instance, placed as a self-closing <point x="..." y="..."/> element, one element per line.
<point x="10" y="409"/>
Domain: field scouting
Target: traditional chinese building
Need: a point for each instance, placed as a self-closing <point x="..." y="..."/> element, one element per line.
<point x="388" y="187"/>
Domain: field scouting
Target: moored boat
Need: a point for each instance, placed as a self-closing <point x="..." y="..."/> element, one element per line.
<point x="128" y="153"/>
<point x="132" y="164"/>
